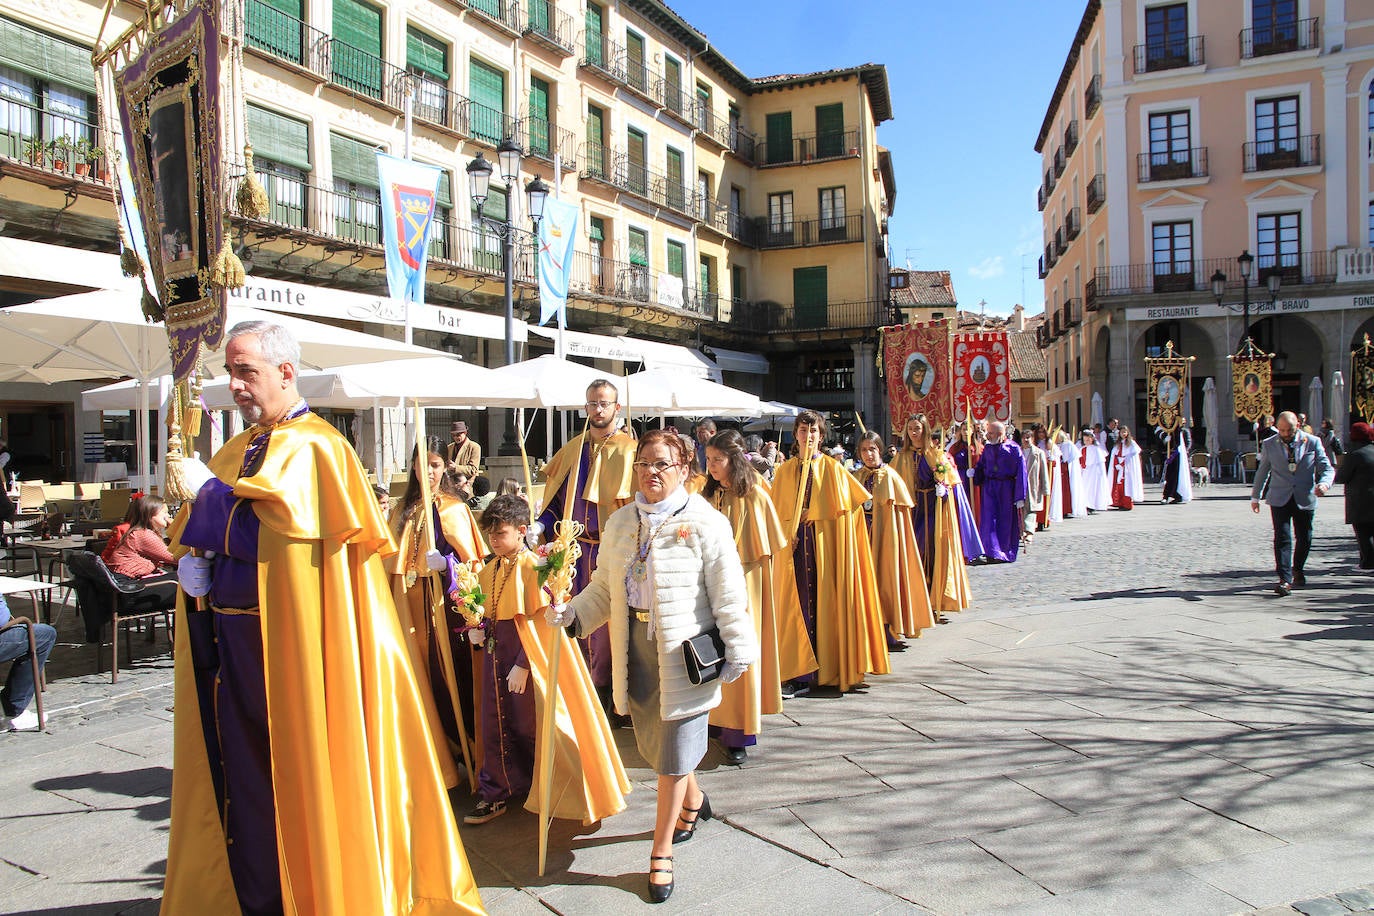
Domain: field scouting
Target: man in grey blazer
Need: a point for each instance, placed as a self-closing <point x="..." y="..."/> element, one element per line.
<point x="1294" y="467"/>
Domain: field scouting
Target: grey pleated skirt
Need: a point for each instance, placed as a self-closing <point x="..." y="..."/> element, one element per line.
<point x="671" y="748"/>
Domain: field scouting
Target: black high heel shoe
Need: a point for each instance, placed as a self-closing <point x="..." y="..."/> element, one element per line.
<point x="701" y="814"/>
<point x="659" y="892"/>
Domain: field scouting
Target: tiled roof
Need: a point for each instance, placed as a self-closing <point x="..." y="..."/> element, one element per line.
<point x="874" y="76"/>
<point x="1027" y="359"/>
<point x="925" y="288"/>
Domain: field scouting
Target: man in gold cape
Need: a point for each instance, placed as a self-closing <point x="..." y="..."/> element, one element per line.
<point x="305" y="774"/>
<point x="604" y="459"/>
<point x="830" y="550"/>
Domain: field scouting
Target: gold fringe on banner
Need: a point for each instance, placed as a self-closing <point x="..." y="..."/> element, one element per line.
<point x="174" y="475"/>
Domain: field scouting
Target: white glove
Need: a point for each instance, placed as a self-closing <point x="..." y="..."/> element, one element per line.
<point x="1020" y="504"/>
<point x="477" y="636"/>
<point x="941" y="491"/>
<point x="518" y="679"/>
<point x="193" y="573"/>
<point x="196" y="473"/>
<point x="731" y="672"/>
<point x="560" y="615"/>
<point x="436" y="561"/>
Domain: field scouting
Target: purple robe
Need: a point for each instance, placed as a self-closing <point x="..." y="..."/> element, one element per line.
<point x="1001" y="472"/>
<point x="596" y="648"/>
<point x="508" y="719"/>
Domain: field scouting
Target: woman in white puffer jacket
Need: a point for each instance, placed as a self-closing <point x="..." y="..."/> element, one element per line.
<point x="668" y="570"/>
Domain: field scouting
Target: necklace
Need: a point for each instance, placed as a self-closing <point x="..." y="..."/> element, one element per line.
<point x="639" y="569"/>
<point x="411" y="568"/>
<point x="504" y="565"/>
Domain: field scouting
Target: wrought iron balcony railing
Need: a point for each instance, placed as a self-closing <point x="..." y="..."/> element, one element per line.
<point x="52" y="141"/>
<point x="1071" y="138"/>
<point x="1290" y="153"/>
<point x="1092" y="96"/>
<point x="1097" y="192"/>
<point x="1169" y="54"/>
<point x="1073" y="224"/>
<point x="502" y="13"/>
<point x="800" y="149"/>
<point x="286" y="38"/>
<point x="1297" y="268"/>
<point x="798" y="233"/>
<point x="1173" y="165"/>
<point x="549" y="26"/>
<point x="1279" y="38"/>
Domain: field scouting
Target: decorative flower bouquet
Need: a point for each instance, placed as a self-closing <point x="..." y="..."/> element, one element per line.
<point x="467" y="594"/>
<point x="557" y="561"/>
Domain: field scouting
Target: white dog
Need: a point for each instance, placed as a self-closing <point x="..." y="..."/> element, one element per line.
<point x="1201" y="477"/>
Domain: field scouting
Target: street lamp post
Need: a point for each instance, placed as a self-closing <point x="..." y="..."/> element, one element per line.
<point x="479" y="185"/>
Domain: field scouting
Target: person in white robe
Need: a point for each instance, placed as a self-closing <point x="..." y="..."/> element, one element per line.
<point x="1092" y="465"/>
<point x="1128" y="485"/>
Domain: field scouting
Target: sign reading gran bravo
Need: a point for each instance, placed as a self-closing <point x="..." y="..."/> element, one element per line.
<point x="1257" y="309"/>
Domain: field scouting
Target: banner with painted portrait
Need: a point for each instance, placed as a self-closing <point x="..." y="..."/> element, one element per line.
<point x="982" y="376"/>
<point x="916" y="362"/>
<point x="169" y="105"/>
<point x="1167" y="392"/>
<point x="1252" y="386"/>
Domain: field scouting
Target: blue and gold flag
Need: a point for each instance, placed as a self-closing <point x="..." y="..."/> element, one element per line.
<point x="408" y="200"/>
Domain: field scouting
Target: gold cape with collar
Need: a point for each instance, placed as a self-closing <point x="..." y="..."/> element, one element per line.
<point x="610" y="475"/>
<point x="364" y="824"/>
<point x="849" y="624"/>
<point x="896" y="558"/>
<point x="949" y="588"/>
<point x="784" y="648"/>
<point x="416" y="607"/>
<point x="589" y="781"/>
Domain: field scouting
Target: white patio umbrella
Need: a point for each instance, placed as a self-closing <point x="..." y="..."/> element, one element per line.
<point x="558" y="383"/>
<point x="103" y="334"/>
<point x="1314" y="402"/>
<point x="1340" y="413"/>
<point x="776" y="414"/>
<point x="1097" y="408"/>
<point x="691" y="396"/>
<point x="1210" y="419"/>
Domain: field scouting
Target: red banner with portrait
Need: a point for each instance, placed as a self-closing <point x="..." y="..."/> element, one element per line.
<point x="982" y="376"/>
<point x="916" y="362"/>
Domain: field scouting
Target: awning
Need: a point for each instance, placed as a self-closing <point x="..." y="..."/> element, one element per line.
<point x="740" y="361"/>
<point x="53" y="270"/>
<point x="652" y="353"/>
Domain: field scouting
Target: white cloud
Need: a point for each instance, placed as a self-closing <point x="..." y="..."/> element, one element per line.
<point x="988" y="268"/>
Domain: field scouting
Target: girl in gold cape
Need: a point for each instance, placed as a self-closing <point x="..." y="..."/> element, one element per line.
<point x="589" y="781"/>
<point x="737" y="491"/>
<point x="896" y="558"/>
<point x="926" y="470"/>
<point x="849" y="624"/>
<point x="364" y="824"/>
<point x="443" y="665"/>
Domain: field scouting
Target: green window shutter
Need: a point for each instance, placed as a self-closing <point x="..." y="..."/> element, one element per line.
<point x="539" y="15"/>
<point x="45" y="56"/>
<point x="596" y="229"/>
<point x="810" y="297"/>
<point x="444" y="196"/>
<point x="275" y="26"/>
<point x="596" y="126"/>
<point x="487" y="88"/>
<point x="677" y="260"/>
<point x="279" y="138"/>
<point x="539" y="130"/>
<point x="704" y="276"/>
<point x="494" y="207"/>
<point x="596" y="34"/>
<point x="779" y="132"/>
<point x="675" y="166"/>
<point x="830" y="130"/>
<point x="636" y="147"/>
<point x="426" y="54"/>
<point x="359" y="25"/>
<point x="353" y="161"/>
<point x="635" y="75"/>
<point x="639" y="247"/>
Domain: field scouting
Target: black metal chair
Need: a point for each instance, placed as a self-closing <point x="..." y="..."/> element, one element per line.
<point x="102" y="597"/>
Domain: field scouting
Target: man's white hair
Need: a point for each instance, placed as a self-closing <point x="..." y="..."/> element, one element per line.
<point x="276" y="344"/>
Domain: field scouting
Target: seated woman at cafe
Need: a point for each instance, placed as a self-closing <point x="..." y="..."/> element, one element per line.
<point x="136" y="549"/>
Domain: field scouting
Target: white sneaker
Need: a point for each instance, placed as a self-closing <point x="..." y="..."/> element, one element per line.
<point x="26" y="721"/>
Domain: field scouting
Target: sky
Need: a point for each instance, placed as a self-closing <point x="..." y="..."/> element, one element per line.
<point x="970" y="82"/>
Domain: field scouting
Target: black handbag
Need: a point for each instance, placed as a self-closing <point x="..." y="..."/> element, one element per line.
<point x="704" y="656"/>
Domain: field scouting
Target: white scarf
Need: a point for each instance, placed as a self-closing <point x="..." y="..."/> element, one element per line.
<point x="640" y="590"/>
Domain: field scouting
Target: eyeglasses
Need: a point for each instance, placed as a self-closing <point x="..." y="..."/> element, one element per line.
<point x="599" y="405"/>
<point x="658" y="467"/>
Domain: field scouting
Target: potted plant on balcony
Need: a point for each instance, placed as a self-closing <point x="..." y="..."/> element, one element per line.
<point x="81" y="161"/>
<point x="35" y="150"/>
<point x="61" y="149"/>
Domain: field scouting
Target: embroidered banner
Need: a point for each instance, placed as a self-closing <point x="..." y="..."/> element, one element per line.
<point x="1362" y="381"/>
<point x="408" y="200"/>
<point x="557" y="232"/>
<point x="168" y="95"/>
<point x="982" y="376"/>
<point x="1168" y="388"/>
<point x="1252" y="386"/>
<point x="916" y="362"/>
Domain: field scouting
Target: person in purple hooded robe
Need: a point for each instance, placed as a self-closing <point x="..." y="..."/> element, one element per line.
<point x="1001" y="473"/>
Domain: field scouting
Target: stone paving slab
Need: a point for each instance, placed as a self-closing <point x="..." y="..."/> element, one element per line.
<point x="949" y="876"/>
<point x="1291" y="872"/>
<point x="1169" y="893"/>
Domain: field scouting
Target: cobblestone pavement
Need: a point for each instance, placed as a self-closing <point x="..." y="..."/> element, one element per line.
<point x="1127" y="722"/>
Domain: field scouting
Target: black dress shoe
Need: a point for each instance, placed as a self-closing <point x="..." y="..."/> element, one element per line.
<point x="1299" y="580"/>
<point x="698" y="815"/>
<point x="736" y="755"/>
<point x="658" y="893"/>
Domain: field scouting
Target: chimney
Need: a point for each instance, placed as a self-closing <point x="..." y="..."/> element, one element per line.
<point x="1018" y="316"/>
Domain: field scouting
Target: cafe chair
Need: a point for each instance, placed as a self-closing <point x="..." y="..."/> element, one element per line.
<point x="103" y="598"/>
<point x="39" y="685"/>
